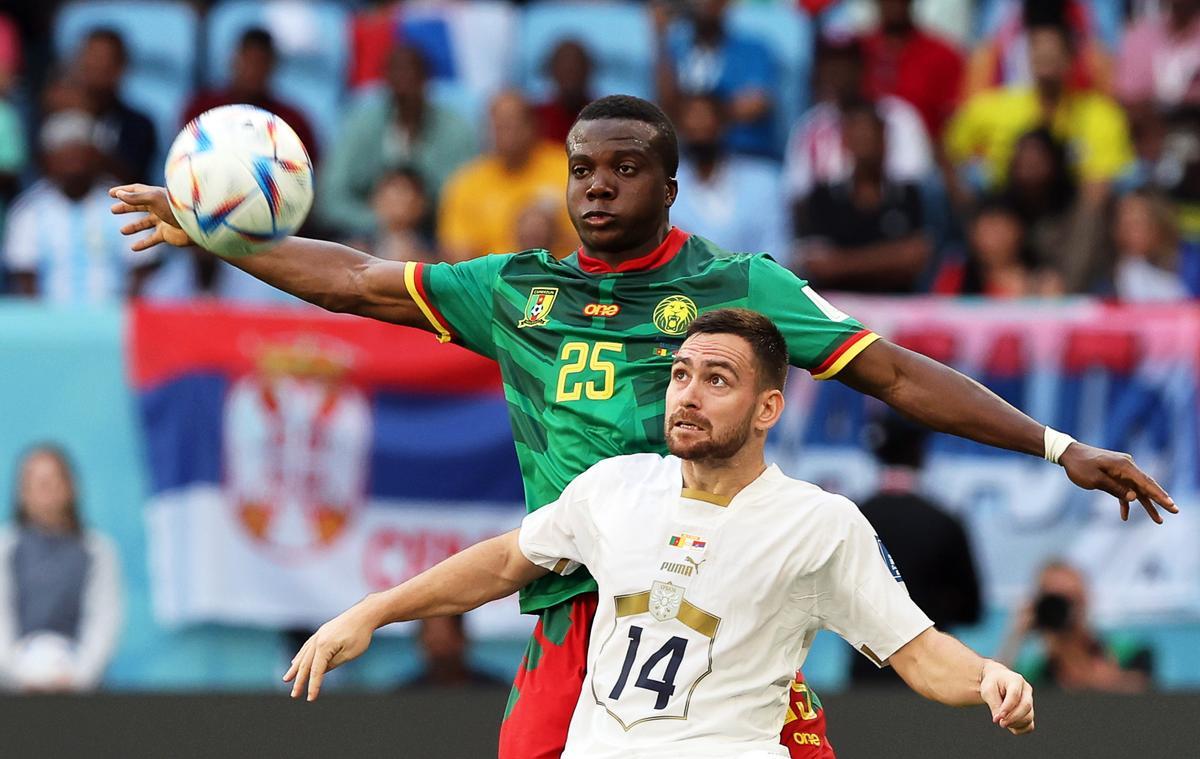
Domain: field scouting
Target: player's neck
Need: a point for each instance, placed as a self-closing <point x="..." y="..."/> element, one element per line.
<point x="724" y="477"/>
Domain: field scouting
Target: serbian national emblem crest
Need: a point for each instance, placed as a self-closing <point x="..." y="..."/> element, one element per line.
<point x="665" y="599"/>
<point x="537" y="308"/>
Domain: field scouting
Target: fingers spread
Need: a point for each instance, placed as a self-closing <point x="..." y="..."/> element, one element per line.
<point x="149" y="241"/>
<point x="302" y="669"/>
<point x="317" y="675"/>
<point x="140" y="225"/>
<point x="1150" y="509"/>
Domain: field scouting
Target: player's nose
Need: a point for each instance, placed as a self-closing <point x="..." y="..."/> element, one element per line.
<point x="601" y="186"/>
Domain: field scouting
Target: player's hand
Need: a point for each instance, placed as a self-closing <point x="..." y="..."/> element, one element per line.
<point x="1008" y="696"/>
<point x="1115" y="474"/>
<point x="339" y="640"/>
<point x="151" y="201"/>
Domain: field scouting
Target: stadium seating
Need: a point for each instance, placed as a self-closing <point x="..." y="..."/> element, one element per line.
<point x="618" y="35"/>
<point x="162" y="41"/>
<point x="313" y="52"/>
<point x="464" y="42"/>
<point x="788" y="34"/>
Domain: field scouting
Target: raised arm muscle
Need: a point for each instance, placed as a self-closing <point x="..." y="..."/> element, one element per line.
<point x="337" y="278"/>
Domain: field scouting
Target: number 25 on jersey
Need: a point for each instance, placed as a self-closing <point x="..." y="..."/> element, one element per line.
<point x="586" y="372"/>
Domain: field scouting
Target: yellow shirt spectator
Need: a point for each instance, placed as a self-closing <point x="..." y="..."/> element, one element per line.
<point x="483" y="200"/>
<point x="1091" y="124"/>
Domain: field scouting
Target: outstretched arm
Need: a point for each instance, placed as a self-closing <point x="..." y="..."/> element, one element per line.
<point x="941" y="398"/>
<point x="484" y="572"/>
<point x="942" y="669"/>
<point x="333" y="276"/>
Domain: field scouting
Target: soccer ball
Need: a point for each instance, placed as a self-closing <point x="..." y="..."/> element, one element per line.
<point x="239" y="180"/>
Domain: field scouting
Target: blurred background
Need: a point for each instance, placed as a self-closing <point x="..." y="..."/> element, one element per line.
<point x="202" y="469"/>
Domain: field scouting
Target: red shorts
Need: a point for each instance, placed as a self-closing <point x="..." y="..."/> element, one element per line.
<point x="551" y="675"/>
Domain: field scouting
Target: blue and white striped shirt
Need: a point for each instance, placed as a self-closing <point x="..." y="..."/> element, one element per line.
<point x="74" y="247"/>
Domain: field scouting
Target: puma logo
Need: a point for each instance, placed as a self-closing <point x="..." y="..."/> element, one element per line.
<point x="694" y="563"/>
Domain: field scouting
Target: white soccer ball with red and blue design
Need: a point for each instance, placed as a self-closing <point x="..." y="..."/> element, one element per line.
<point x="239" y="180"/>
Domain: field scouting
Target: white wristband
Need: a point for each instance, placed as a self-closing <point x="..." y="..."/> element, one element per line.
<point x="1056" y="443"/>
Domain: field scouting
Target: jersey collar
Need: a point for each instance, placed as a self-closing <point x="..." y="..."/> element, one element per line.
<point x="652" y="260"/>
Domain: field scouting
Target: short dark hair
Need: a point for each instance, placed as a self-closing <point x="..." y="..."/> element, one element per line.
<point x="770" y="349"/>
<point x="257" y="37"/>
<point x="112" y="37"/>
<point x="628" y="107"/>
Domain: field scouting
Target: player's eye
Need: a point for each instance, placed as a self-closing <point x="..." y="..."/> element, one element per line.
<point x="679" y="375"/>
<point x="718" y="380"/>
<point x="626" y="169"/>
<point x="579" y="171"/>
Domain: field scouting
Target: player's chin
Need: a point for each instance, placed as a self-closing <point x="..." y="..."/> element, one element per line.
<point x="609" y="239"/>
<point x="688" y="444"/>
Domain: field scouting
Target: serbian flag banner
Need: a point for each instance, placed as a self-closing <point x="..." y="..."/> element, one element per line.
<point x="298" y="460"/>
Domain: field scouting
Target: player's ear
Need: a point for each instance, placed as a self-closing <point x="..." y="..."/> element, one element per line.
<point x="770" y="408"/>
<point x="672" y="191"/>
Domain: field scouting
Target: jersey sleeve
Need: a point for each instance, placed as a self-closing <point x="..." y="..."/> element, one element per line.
<point x="456" y="299"/>
<point x="820" y="338"/>
<point x="862" y="596"/>
<point x="559" y="536"/>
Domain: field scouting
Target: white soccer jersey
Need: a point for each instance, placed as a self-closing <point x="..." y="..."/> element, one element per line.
<point x="708" y="606"/>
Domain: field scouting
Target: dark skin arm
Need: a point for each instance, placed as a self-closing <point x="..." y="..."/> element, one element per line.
<point x="326" y="274"/>
<point x="947" y="401"/>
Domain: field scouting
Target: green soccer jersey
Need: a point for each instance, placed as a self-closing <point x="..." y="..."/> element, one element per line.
<point x="584" y="350"/>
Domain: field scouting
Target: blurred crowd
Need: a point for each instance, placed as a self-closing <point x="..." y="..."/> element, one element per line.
<point x="1015" y="149"/>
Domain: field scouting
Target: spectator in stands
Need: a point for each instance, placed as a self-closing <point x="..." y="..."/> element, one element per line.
<point x="1160" y="57"/>
<point x="864" y="233"/>
<point x="403" y="215"/>
<point x="1066" y="231"/>
<point x="483" y="199"/>
<point x="816" y="152"/>
<point x="569" y="67"/>
<point x="373" y="31"/>
<point x="700" y="55"/>
<point x="1147" y="247"/>
<point x="250" y="82"/>
<point x="124" y="135"/>
<point x="60" y="585"/>
<point x="999" y="262"/>
<point x="1074" y="657"/>
<point x="61" y="242"/>
<point x="12" y="133"/>
<point x="1092" y="124"/>
<point x="929" y="546"/>
<point x="735" y="199"/>
<point x="443" y="642"/>
<point x="904" y="61"/>
<point x="538" y="226"/>
<point x="401" y="128"/>
<point x="1002" y="59"/>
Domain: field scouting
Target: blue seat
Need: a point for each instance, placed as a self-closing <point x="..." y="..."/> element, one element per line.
<point x="161" y="38"/>
<point x="313" y="47"/>
<point x="788" y="34"/>
<point x="1106" y="19"/>
<point x="617" y="34"/>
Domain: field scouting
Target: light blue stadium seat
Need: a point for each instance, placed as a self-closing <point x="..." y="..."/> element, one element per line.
<point x="618" y="35"/>
<point x="788" y="34"/>
<point x="1106" y="16"/>
<point x="313" y="47"/>
<point x="161" y="38"/>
